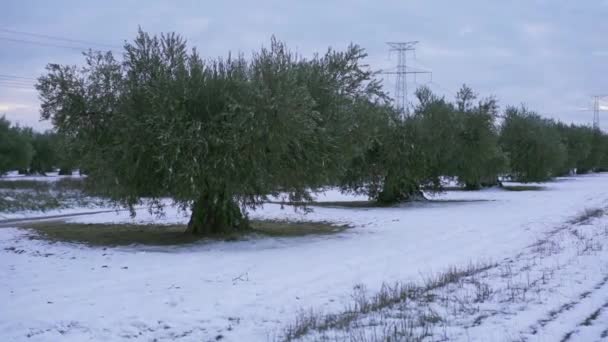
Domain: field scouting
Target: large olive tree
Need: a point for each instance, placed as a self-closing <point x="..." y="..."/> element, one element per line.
<point x="216" y="136"/>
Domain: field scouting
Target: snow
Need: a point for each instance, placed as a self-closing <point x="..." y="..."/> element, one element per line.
<point x="50" y="177"/>
<point x="248" y="290"/>
<point x="27" y="214"/>
<point x="554" y="290"/>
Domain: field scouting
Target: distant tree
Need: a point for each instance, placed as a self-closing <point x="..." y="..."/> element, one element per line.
<point x="15" y="149"/>
<point x="597" y="149"/>
<point x="465" y="99"/>
<point x="215" y="136"/>
<point x="384" y="164"/>
<point x="405" y="164"/>
<point x="603" y="162"/>
<point x="578" y="142"/>
<point x="533" y="145"/>
<point x="436" y="130"/>
<point x="479" y="159"/>
<point x="65" y="160"/>
<point x="45" y="155"/>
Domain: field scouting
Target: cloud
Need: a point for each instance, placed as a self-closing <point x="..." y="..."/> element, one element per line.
<point x="536" y="30"/>
<point x="194" y="26"/>
<point x="5" y="107"/>
<point x="438" y="50"/>
<point x="465" y="30"/>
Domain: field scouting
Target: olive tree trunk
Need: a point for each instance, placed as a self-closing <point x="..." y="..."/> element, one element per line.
<point x="472" y="185"/>
<point x="395" y="192"/>
<point x="216" y="215"/>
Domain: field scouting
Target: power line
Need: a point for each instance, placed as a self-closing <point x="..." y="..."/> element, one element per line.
<point x="15" y="86"/>
<point x="78" y="41"/>
<point x="16" y="80"/>
<point x="16" y="83"/>
<point x="17" y="77"/>
<point x="13" y="82"/>
<point x="32" y="42"/>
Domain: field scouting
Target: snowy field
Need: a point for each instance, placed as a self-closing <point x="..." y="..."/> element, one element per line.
<point x="49" y="177"/>
<point x="251" y="290"/>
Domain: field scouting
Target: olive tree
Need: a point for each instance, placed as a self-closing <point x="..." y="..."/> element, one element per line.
<point x="532" y="144"/>
<point x="45" y="157"/>
<point x="215" y="136"/>
<point x="578" y="143"/>
<point x="479" y="158"/>
<point x="15" y="148"/>
<point x="384" y="163"/>
<point x="437" y="128"/>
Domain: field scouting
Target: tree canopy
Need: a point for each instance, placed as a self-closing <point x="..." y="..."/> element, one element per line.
<point x="214" y="135"/>
<point x="218" y="136"/>
<point x="533" y="145"/>
<point x="15" y="150"/>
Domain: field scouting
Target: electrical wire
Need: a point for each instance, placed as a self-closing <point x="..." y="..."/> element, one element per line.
<point x="70" y="40"/>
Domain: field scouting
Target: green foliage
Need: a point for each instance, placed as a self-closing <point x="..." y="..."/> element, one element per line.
<point x="578" y="141"/>
<point x="222" y="135"/>
<point x="45" y="153"/>
<point x="479" y="159"/>
<point x="405" y="173"/>
<point x="15" y="149"/>
<point x="596" y="156"/>
<point x="216" y="135"/>
<point x="533" y="145"/>
<point x="49" y="151"/>
<point x="399" y="155"/>
<point x="383" y="162"/>
<point x="437" y="134"/>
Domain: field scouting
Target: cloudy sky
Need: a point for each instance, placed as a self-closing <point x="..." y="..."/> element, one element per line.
<point x="550" y="55"/>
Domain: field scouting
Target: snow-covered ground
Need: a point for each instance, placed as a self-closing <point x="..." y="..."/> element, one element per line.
<point x="49" y="177"/>
<point x="249" y="290"/>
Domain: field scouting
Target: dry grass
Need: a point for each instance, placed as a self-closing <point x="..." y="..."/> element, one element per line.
<point x="414" y="324"/>
<point x="586" y="216"/>
<point x="280" y="228"/>
<point x="154" y="234"/>
<point x="420" y="311"/>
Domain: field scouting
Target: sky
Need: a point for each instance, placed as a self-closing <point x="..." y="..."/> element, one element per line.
<point x="551" y="56"/>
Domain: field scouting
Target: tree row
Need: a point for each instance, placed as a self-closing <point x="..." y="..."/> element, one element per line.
<point x="222" y="135"/>
<point x="29" y="152"/>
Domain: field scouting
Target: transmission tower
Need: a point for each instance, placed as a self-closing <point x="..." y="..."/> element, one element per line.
<point x="401" y="71"/>
<point x="596" y="110"/>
